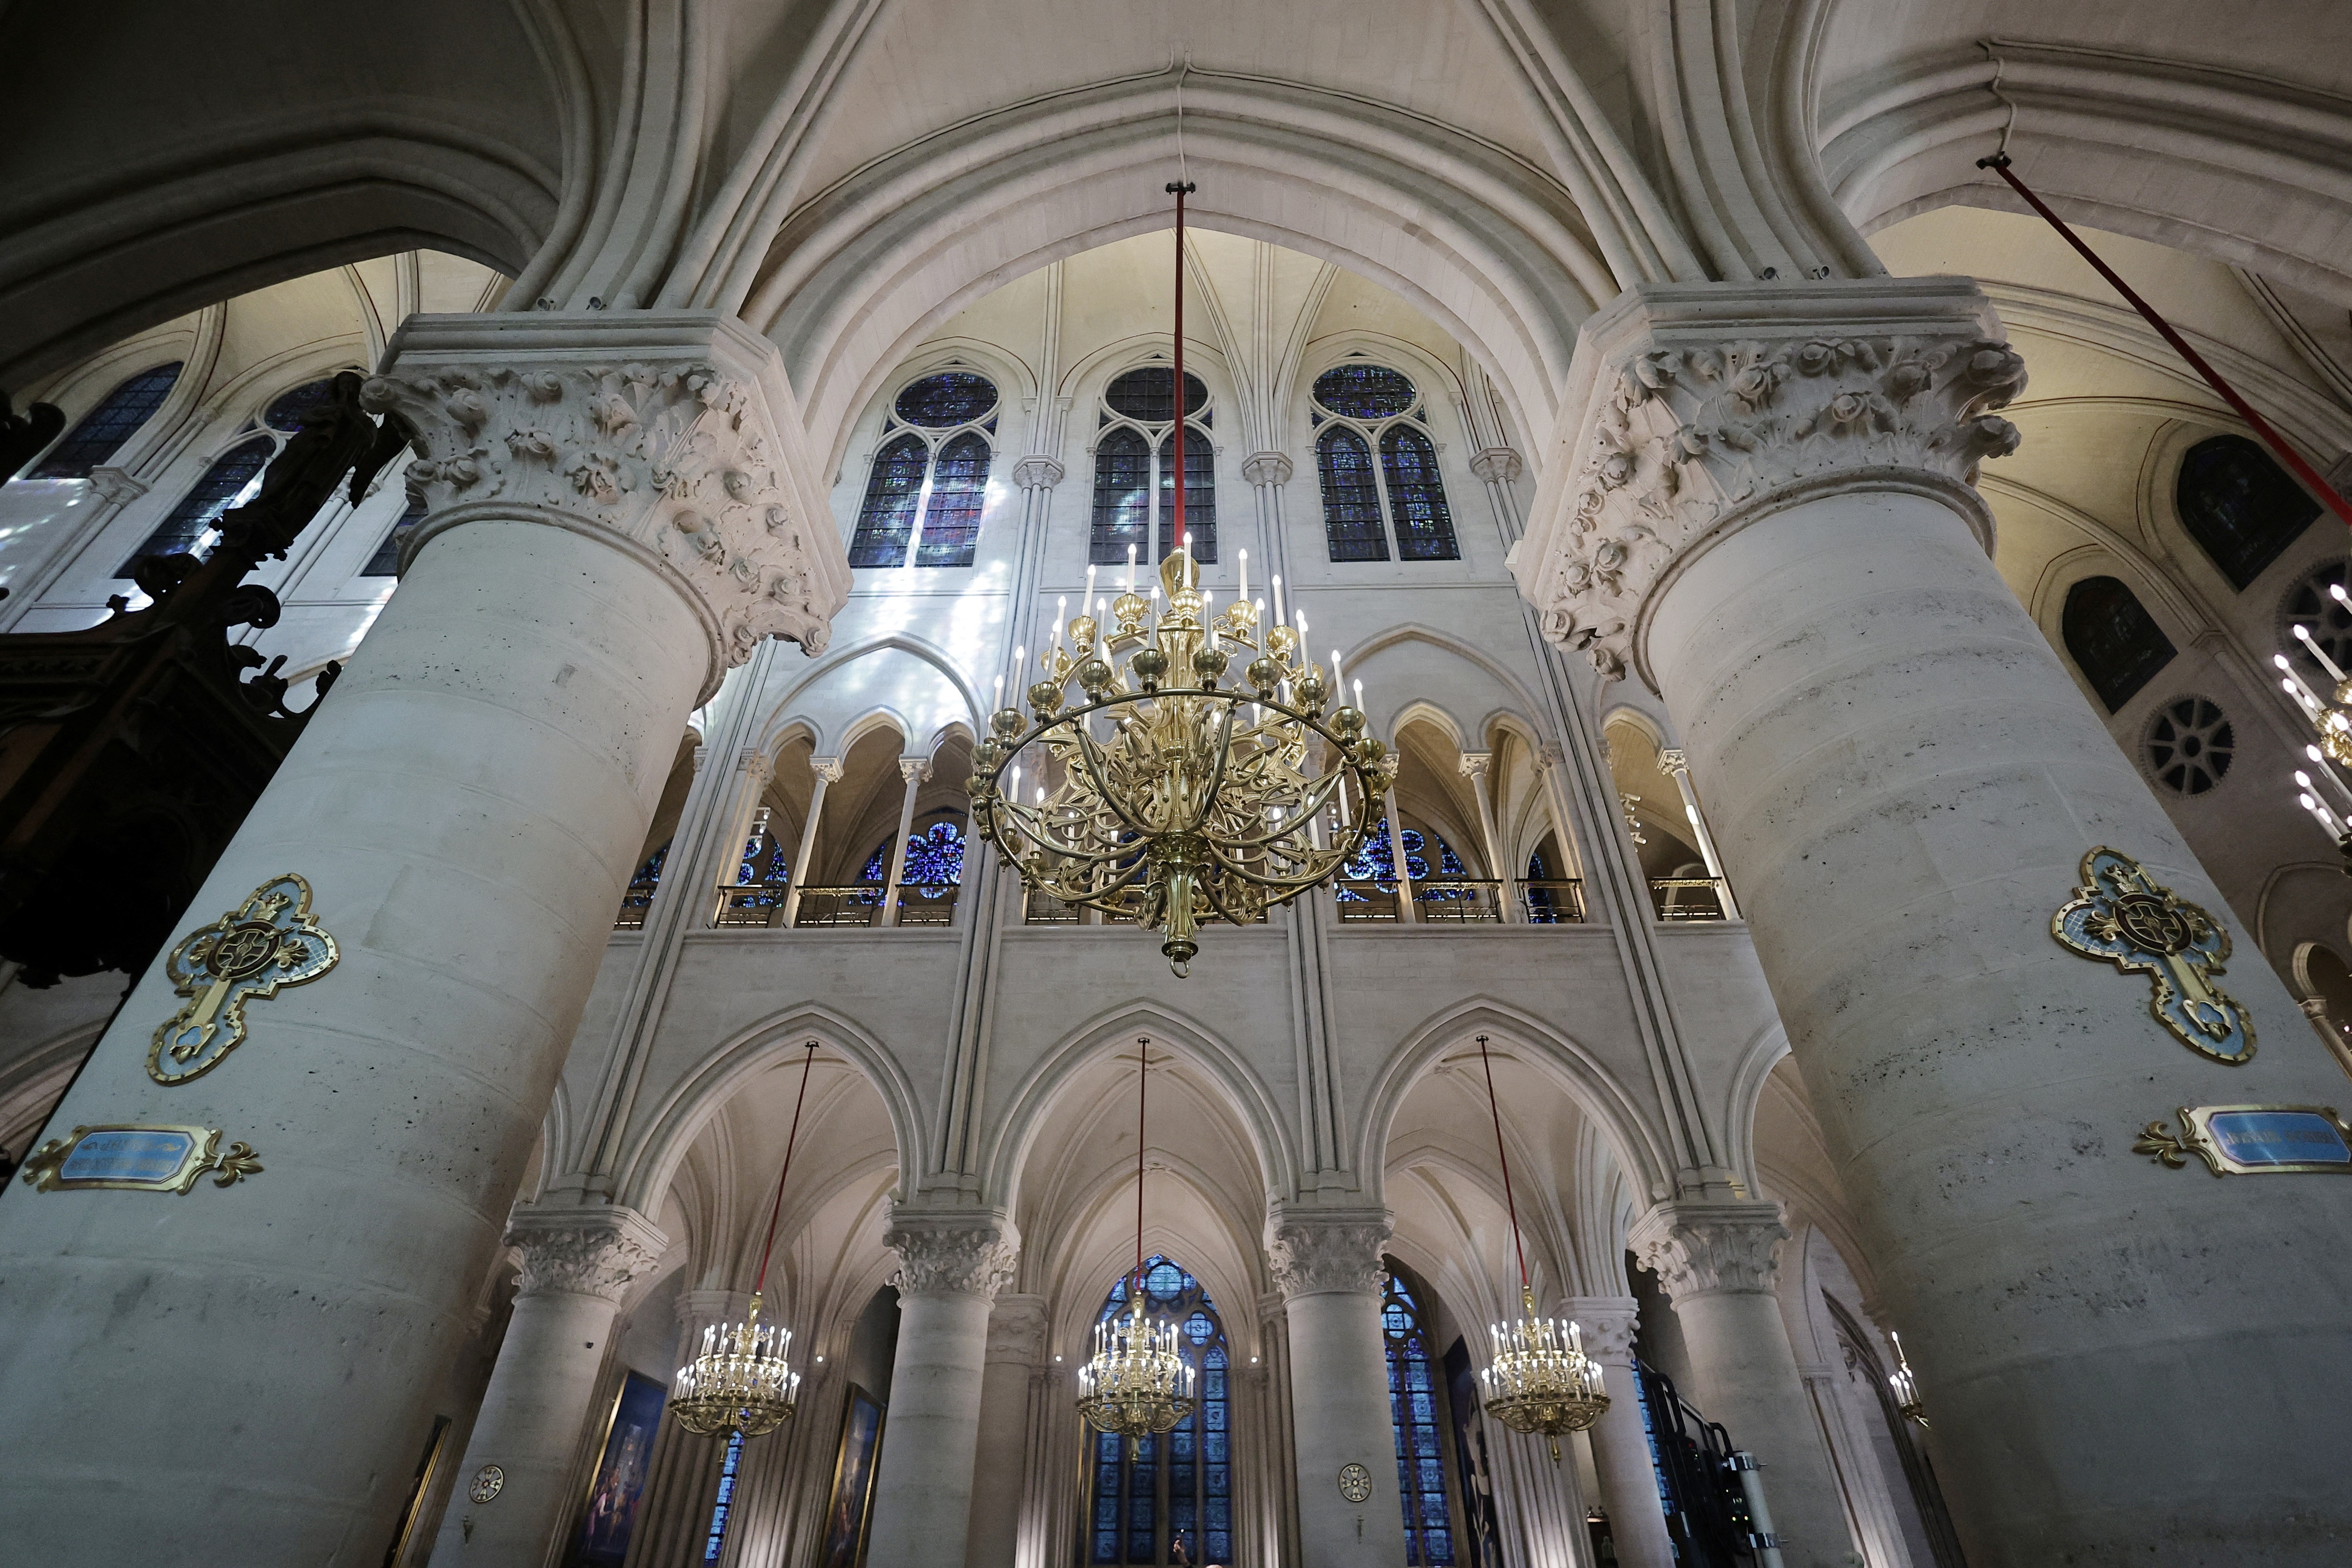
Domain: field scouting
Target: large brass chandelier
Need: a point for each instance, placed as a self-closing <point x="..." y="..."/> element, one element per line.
<point x="1136" y="1382"/>
<point x="743" y="1380"/>
<point x="1540" y="1380"/>
<point x="1160" y="795"/>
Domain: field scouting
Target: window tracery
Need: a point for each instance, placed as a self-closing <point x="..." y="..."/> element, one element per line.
<point x="930" y="474"/>
<point x="934" y="861"/>
<point x="1144" y="1492"/>
<point x="232" y="477"/>
<point x="93" y="442"/>
<point x="1361" y="408"/>
<point x="1373" y="863"/>
<point x="2190" y="745"/>
<point x="1135" y="468"/>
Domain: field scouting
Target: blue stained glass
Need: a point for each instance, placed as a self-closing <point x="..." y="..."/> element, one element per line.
<point x="385" y="561"/>
<point x="1191" y="1467"/>
<point x="1214" y="1446"/>
<point x="1365" y="391"/>
<point x="286" y="410"/>
<point x="717" y="1540"/>
<point x="232" y="475"/>
<point x="1199" y="495"/>
<point x="944" y="401"/>
<point x="1424" y="526"/>
<point x="885" y="522"/>
<point x="958" y="490"/>
<point x="1122" y="508"/>
<point x="1372" y="862"/>
<point x="1351" y="498"/>
<point x="93" y="442"/>
<point x="1421" y="1475"/>
<point x="934" y="861"/>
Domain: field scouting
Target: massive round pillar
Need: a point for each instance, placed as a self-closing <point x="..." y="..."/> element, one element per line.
<point x="247" y="1375"/>
<point x="1774" y="524"/>
<point x="1620" y="1438"/>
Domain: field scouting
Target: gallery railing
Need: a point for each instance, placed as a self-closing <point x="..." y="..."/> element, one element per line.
<point x="1552" y="901"/>
<point x="849" y="904"/>
<point x="1044" y="909"/>
<point x="1686" y="898"/>
<point x="1436" y="901"/>
<point x="639" y="899"/>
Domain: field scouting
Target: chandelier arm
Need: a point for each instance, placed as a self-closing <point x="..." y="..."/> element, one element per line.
<point x="1055" y="846"/>
<point x="1224" y="751"/>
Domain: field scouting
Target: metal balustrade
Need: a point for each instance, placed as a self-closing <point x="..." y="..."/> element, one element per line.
<point x="635" y="903"/>
<point x="1552" y="901"/>
<point x="1680" y="898"/>
<point x="1436" y="901"/>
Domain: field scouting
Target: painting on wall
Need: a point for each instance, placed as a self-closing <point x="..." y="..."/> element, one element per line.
<point x="601" y="1540"/>
<point x="853" y="1482"/>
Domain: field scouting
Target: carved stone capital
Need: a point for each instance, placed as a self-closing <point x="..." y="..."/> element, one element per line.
<point x="1608" y="1323"/>
<point x="670" y="435"/>
<point x="1017" y="1329"/>
<point x="1671" y="760"/>
<point x="1475" y="764"/>
<point x="914" y="770"/>
<point x="1312" y="1254"/>
<point x="961" y="1253"/>
<point x="1267" y="468"/>
<point x="826" y="768"/>
<point x="1710" y="404"/>
<point x="597" y="1252"/>
<point x="1035" y="473"/>
<point x="115" y="486"/>
<point x="1496" y="465"/>
<point x="1699" y="1249"/>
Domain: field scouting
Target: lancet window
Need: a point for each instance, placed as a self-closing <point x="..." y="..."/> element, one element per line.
<point x="928" y="484"/>
<point x="1360" y="408"/>
<point x="1135" y="468"/>
<point x="102" y="431"/>
<point x="2114" y="640"/>
<point x="231" y="479"/>
<point x="1412" y="1409"/>
<point x="1144" y="1492"/>
<point x="385" y="561"/>
<point x="2242" y="508"/>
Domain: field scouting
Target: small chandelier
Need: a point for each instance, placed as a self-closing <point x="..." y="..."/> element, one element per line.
<point x="1905" y="1386"/>
<point x="1541" y="1379"/>
<point x="1178" y="800"/>
<point x="743" y="1380"/>
<point x="1136" y="1383"/>
<point x="2333" y="719"/>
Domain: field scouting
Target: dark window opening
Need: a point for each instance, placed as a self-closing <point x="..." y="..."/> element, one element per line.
<point x="2115" y="642"/>
<point x="2240" y="507"/>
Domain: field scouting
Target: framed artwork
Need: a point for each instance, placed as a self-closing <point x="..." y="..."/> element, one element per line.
<point x="610" y="1510"/>
<point x="852" y="1508"/>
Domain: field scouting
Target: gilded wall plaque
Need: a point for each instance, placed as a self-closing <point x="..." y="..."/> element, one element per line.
<point x="2253" y="1140"/>
<point x="138" y="1159"/>
<point x="268" y="942"/>
<point x="1355" y="1482"/>
<point x="2121" y="915"/>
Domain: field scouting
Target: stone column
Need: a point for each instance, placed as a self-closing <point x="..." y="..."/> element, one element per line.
<point x="1620" y="1446"/>
<point x="1774" y="522"/>
<point x="1327" y="1267"/>
<point x="467" y="808"/>
<point x="1017" y="1349"/>
<point x="1677" y="767"/>
<point x="915" y="771"/>
<point x="951" y="1265"/>
<point x="1716" y="1261"/>
<point x="1476" y="766"/>
<point x="577" y="1264"/>
<point x="828" y="773"/>
<point x="1267" y="472"/>
<point x="1406" y="913"/>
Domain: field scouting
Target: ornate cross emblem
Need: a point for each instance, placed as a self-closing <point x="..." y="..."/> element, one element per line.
<point x="2120" y="914"/>
<point x="268" y="942"/>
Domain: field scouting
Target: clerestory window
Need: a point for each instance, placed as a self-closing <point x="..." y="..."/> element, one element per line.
<point x="93" y="442"/>
<point x="1359" y="409"/>
<point x="2242" y="508"/>
<point x="1135" y="468"/>
<point x="928" y="484"/>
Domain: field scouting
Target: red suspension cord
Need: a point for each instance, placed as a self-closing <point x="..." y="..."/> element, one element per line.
<point x="1179" y="189"/>
<point x="1508" y="1202"/>
<point x="2319" y="488"/>
<point x="791" y="1139"/>
<point x="1142" y="1087"/>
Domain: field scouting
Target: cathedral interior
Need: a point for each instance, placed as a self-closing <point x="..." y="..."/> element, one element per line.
<point x="543" y="1023"/>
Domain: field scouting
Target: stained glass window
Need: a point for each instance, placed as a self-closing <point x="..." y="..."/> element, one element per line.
<point x="715" y="1541"/>
<point x="1425" y="527"/>
<point x="1351" y="499"/>
<point x="2240" y="506"/>
<point x="887" y="522"/>
<point x="385" y="561"/>
<point x="944" y="401"/>
<point x="1123" y="497"/>
<point x="1374" y="862"/>
<point x="934" y="861"/>
<point x="2114" y="640"/>
<point x="1147" y="395"/>
<point x="1146" y="1492"/>
<point x="1412" y="1409"/>
<point x="286" y="410"/>
<point x="763" y="866"/>
<point x="1366" y="392"/>
<point x="233" y="476"/>
<point x="1199" y="495"/>
<point x="102" y="431"/>
<point x="959" y="488"/>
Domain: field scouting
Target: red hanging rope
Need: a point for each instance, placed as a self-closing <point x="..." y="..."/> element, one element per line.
<point x="791" y="1139"/>
<point x="2319" y="488"/>
<point x="1143" y="1087"/>
<point x="1179" y="189"/>
<point x="1494" y="1107"/>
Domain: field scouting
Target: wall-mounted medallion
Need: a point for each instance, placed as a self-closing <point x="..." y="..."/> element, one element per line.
<point x="2121" y="915"/>
<point x="1355" y="1482"/>
<point x="2253" y="1140"/>
<point x="130" y="1158"/>
<point x="266" y="944"/>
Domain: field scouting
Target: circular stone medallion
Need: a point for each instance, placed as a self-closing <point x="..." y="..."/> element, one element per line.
<point x="488" y="1482"/>
<point x="1355" y="1482"/>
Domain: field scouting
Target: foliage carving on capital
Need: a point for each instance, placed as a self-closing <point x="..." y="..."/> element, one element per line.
<point x="1690" y="436"/>
<point x="583" y="1252"/>
<point x="1017" y="1329"/>
<point x="1608" y="1325"/>
<point x="951" y="1256"/>
<point x="1310" y="1257"/>
<point x="673" y="454"/>
<point x="1700" y="1249"/>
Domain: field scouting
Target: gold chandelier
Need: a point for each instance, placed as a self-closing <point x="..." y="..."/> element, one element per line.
<point x="1161" y="797"/>
<point x="1136" y="1382"/>
<point x="743" y="1380"/>
<point x="1541" y="1379"/>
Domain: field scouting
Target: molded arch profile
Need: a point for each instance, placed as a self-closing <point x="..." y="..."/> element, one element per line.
<point x="652" y="1157"/>
<point x="802" y="696"/>
<point x="1490" y="247"/>
<point x="1420" y="710"/>
<point x="1003" y="1153"/>
<point x="1582" y="1076"/>
<point x="1745" y="1092"/>
<point x="1519" y="698"/>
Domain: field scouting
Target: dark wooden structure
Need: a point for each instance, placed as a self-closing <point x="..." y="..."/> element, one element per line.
<point x="130" y="752"/>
